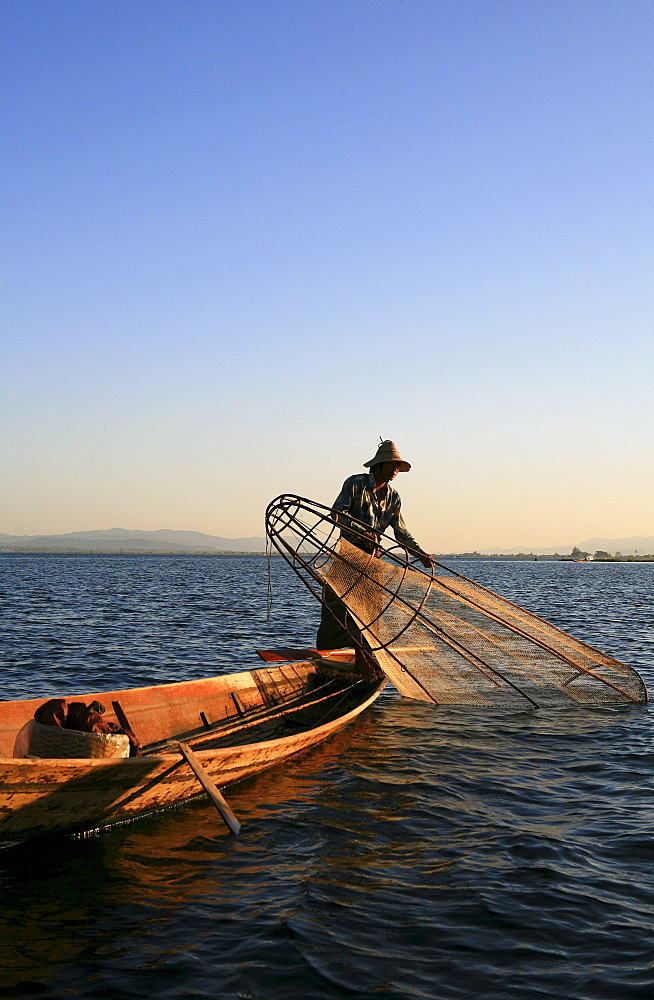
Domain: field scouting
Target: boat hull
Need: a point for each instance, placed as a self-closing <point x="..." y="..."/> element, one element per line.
<point x="55" y="795"/>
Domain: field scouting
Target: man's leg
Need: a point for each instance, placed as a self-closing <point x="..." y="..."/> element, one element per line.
<point x="333" y="632"/>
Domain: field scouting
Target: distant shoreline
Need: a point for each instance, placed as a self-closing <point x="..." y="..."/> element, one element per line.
<point x="529" y="557"/>
<point x="123" y="552"/>
<point x="506" y="557"/>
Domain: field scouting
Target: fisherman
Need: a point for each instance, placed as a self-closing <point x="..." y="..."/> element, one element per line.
<point x="369" y="498"/>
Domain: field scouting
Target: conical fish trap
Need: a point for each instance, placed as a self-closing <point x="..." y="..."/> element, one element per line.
<point x="437" y="635"/>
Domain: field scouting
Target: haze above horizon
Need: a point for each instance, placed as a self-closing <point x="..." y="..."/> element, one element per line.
<point x="243" y="240"/>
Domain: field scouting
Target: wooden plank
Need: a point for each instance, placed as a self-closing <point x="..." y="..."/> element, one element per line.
<point x="288" y="653"/>
<point x="218" y="799"/>
<point x="120" y="715"/>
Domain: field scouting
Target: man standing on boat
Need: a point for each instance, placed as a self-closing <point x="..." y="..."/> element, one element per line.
<point x="369" y="498"/>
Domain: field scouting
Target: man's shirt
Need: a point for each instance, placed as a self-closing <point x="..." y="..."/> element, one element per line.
<point x="377" y="510"/>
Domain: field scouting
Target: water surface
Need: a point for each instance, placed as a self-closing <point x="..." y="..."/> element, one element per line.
<point x="423" y="852"/>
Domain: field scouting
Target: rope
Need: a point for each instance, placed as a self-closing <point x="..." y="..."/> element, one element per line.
<point x="269" y="590"/>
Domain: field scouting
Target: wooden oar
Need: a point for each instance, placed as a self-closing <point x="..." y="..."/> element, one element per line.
<point x="219" y="801"/>
<point x="205" y="780"/>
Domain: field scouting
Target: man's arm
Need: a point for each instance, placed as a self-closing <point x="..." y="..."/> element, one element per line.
<point x="406" y="539"/>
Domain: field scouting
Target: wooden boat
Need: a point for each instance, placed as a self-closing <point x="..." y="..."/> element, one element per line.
<point x="237" y="725"/>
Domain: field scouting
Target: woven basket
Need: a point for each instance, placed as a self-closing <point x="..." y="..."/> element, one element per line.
<point x="50" y="741"/>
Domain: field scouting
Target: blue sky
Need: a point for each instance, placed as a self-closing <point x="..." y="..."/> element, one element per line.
<point x="242" y="240"/>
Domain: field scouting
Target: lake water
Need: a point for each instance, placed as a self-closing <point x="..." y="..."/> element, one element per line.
<point x="423" y="852"/>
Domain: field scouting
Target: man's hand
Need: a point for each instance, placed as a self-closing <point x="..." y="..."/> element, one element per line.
<point x="423" y="557"/>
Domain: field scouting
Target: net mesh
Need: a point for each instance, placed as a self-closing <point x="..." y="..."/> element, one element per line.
<point x="437" y="635"/>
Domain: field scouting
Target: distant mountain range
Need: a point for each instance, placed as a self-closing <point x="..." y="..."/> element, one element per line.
<point x="636" y="545"/>
<point x="195" y="542"/>
<point x="123" y="540"/>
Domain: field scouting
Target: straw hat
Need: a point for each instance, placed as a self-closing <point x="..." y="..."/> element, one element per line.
<point x="387" y="452"/>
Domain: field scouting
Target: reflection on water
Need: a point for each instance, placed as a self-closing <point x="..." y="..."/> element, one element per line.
<point x="422" y="852"/>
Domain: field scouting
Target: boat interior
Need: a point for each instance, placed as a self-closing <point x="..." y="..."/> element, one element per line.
<point x="226" y="710"/>
<point x="328" y="694"/>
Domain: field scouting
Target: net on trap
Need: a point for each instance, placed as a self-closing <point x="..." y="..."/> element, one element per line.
<point x="437" y="635"/>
